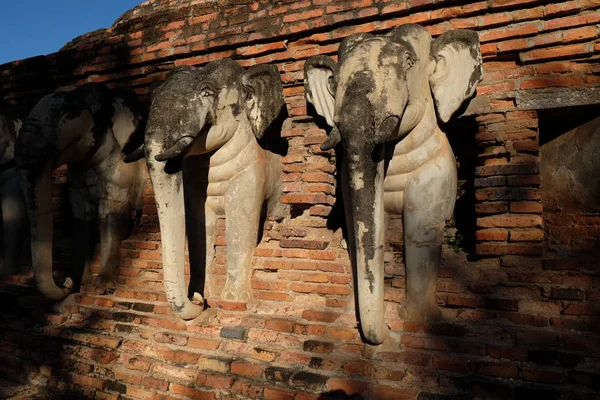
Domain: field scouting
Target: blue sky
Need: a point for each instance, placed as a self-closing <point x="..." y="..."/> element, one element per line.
<point x="30" y="28"/>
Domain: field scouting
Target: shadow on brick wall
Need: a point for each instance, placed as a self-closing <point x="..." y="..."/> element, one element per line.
<point x="461" y="134"/>
<point x="340" y="395"/>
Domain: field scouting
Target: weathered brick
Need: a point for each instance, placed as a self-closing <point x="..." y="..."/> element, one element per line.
<point x="191" y="392"/>
<point x="510" y="221"/>
<point x="508" y="249"/>
<point x="526" y="207"/>
<point x="526" y="235"/>
<point x="315" y="346"/>
<point x="246" y="369"/>
<point x="492" y="235"/>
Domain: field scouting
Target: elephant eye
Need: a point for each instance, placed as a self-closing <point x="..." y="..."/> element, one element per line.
<point x="206" y="93"/>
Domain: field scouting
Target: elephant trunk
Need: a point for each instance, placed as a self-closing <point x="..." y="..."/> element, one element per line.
<point x="365" y="193"/>
<point x="168" y="193"/>
<point x="38" y="196"/>
<point x="175" y="151"/>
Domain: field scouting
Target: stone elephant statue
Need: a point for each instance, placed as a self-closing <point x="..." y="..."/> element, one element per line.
<point x="211" y="117"/>
<point x="88" y="128"/>
<point x="385" y="100"/>
<point x="14" y="213"/>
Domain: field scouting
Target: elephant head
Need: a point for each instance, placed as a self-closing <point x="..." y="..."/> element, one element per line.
<point x="10" y="124"/>
<point x="386" y="91"/>
<point x="214" y="112"/>
<point x="86" y="127"/>
<point x="12" y="204"/>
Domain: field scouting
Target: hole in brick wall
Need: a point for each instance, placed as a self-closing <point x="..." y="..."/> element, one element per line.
<point x="570" y="179"/>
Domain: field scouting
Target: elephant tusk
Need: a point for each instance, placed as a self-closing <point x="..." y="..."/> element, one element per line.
<point x="135" y="155"/>
<point x="68" y="284"/>
<point x="332" y="140"/>
<point x="176" y="149"/>
<point x="197" y="299"/>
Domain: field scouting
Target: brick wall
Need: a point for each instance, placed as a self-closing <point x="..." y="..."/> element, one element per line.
<point x="518" y="322"/>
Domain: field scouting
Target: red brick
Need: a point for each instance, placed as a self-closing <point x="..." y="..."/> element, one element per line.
<point x="543" y="375"/>
<point x="303" y="15"/>
<point x="493" y="19"/>
<point x="508" y="248"/>
<point x="494" y="207"/>
<point x="510" y="221"/>
<point x="392" y="393"/>
<point x="322" y="316"/>
<point x="506" y="371"/>
<point x="526" y="29"/>
<point x="509" y="193"/>
<point x="582" y="309"/>
<point x="561" y="81"/>
<point x="489" y="49"/>
<point x="275" y="394"/>
<point x="512" y="45"/>
<point x="88" y="381"/>
<point x="280" y="325"/>
<point x="204" y="344"/>
<point x="552" y="10"/>
<point x="191" y="392"/>
<point x="135" y="363"/>
<point x="246" y="369"/>
<point x="416" y="342"/>
<point x="531" y="146"/>
<point x="510" y="169"/>
<point x="128" y="377"/>
<point x="246" y="389"/>
<point x="155" y="384"/>
<point x="527" y="14"/>
<point x="172" y="26"/>
<point x="575" y="20"/>
<point x="526" y="235"/>
<point x="464" y="23"/>
<point x="579" y="342"/>
<point x="494" y="4"/>
<point x="537" y="338"/>
<point x="275" y="296"/>
<point x="552" y="53"/>
<point x="450" y="363"/>
<point x="138" y="393"/>
<point x="492" y="235"/>
<point x="526" y="207"/>
<point x="496" y="88"/>
<point x="181" y="357"/>
<point x="456" y="300"/>
<point x="505" y="352"/>
<point x="215" y="381"/>
<point x="263" y="355"/>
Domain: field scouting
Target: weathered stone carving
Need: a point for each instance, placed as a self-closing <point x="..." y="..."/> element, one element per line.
<point x="215" y="113"/>
<point x="14" y="214"/>
<point x="381" y="100"/>
<point x="87" y="128"/>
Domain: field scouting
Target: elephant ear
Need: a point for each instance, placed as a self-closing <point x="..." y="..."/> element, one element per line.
<point x="318" y="85"/>
<point x="262" y="97"/>
<point x="457" y="72"/>
<point x="127" y="120"/>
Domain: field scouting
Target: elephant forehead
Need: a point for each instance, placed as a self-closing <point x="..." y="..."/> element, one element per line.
<point x="228" y="97"/>
<point x="47" y="110"/>
<point x="378" y="63"/>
